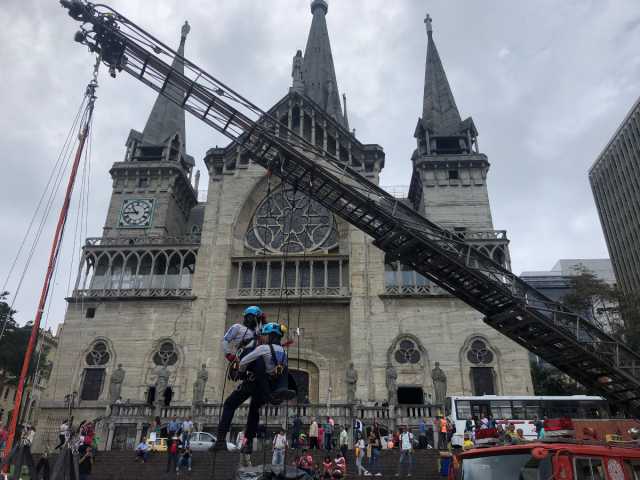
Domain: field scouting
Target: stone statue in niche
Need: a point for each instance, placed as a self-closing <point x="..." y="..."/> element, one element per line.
<point x="392" y="384"/>
<point x="200" y="384"/>
<point x="439" y="384"/>
<point x="115" y="384"/>
<point x="162" y="382"/>
<point x="351" y="378"/>
<point x="296" y="71"/>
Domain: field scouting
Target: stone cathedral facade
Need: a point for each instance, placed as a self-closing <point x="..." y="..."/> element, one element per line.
<point x="169" y="274"/>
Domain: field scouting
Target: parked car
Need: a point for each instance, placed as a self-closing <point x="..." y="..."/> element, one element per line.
<point x="203" y="441"/>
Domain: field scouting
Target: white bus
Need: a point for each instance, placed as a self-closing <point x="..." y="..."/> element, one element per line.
<point x="521" y="410"/>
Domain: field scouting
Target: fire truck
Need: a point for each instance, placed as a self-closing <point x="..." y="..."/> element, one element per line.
<point x="559" y="456"/>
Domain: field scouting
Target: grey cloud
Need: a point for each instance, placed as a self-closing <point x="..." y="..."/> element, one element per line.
<point x="544" y="111"/>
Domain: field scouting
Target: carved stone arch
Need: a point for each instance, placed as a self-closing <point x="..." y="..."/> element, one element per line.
<point x="254" y="196"/>
<point x="407" y="336"/>
<point x="469" y="360"/>
<point x="130" y="270"/>
<point x="325" y="378"/>
<point x="149" y="372"/>
<point x="116" y="269"/>
<point x="411" y="374"/>
<point x="82" y="365"/>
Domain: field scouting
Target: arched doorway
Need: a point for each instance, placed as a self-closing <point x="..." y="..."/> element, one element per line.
<point x="410" y="396"/>
<point x="302" y="383"/>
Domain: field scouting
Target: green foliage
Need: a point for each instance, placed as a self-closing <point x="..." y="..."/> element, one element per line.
<point x="13" y="344"/>
<point x="548" y="380"/>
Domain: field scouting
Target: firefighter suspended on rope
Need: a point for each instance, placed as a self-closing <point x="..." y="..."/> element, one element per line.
<point x="240" y="339"/>
<point x="265" y="376"/>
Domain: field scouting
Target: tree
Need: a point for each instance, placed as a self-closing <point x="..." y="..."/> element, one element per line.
<point x="548" y="380"/>
<point x="13" y="343"/>
<point x="594" y="299"/>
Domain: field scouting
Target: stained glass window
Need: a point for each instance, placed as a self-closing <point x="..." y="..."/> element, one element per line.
<point x="407" y="352"/>
<point x="99" y="355"/>
<point x="166" y="354"/>
<point x="479" y="353"/>
<point x="289" y="221"/>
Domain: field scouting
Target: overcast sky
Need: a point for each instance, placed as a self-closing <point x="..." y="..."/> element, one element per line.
<point x="547" y="83"/>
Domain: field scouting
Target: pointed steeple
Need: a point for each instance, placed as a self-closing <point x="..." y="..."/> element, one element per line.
<point x="318" y="72"/>
<point x="167" y="118"/>
<point x="440" y="114"/>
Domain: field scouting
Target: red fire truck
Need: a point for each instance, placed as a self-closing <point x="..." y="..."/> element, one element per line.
<point x="559" y="457"/>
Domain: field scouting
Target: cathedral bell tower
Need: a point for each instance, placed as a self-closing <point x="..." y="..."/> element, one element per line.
<point x="449" y="180"/>
<point x="152" y="191"/>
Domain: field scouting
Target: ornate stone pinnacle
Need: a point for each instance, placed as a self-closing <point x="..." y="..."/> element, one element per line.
<point x="319" y="4"/>
<point x="427" y="22"/>
<point x="186" y="28"/>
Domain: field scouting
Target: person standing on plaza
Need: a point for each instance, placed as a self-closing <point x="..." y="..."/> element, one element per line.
<point x="406" y="451"/>
<point x="444" y="432"/>
<point x="172" y="427"/>
<point x="85" y="462"/>
<point x="187" y="428"/>
<point x="63" y="433"/>
<point x="343" y="441"/>
<point x="313" y="435"/>
<point x="422" y="433"/>
<point x="328" y="434"/>
<point x="374" y="445"/>
<point x="172" y="453"/>
<point x="279" y="448"/>
<point x="360" y="447"/>
<point x="320" y="436"/>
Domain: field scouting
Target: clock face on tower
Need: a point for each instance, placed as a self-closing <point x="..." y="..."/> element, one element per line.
<point x="136" y="213"/>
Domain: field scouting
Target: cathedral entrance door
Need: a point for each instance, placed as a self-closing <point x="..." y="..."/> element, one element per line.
<point x="482" y="378"/>
<point x="302" y="381"/>
<point x="410" y="396"/>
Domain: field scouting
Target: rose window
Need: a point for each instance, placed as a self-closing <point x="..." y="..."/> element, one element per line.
<point x="479" y="353"/>
<point x="407" y="352"/>
<point x="166" y="355"/>
<point x="289" y="221"/>
<point x="99" y="355"/>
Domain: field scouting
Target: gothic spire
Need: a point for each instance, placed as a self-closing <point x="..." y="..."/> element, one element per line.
<point x="167" y="118"/>
<point x="318" y="73"/>
<point x="440" y="114"/>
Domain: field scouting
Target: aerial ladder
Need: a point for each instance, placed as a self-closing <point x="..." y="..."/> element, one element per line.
<point x="569" y="341"/>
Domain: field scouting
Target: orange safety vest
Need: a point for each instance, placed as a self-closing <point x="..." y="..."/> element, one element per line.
<point x="443" y="425"/>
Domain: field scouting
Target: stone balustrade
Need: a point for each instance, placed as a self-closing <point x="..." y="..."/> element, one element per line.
<point x="208" y="414"/>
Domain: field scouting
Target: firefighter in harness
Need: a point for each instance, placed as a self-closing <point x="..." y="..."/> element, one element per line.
<point x="265" y="374"/>
<point x="240" y="339"/>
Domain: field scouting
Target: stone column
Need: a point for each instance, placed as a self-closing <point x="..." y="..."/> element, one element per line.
<point x="301" y="126"/>
<point x="313" y="127"/>
<point x="112" y="429"/>
<point x="326" y="134"/>
<point x="138" y="432"/>
<point x="289" y="120"/>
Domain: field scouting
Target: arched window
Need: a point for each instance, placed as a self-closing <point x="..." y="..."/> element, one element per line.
<point x="479" y="354"/>
<point x="407" y="352"/>
<point x="93" y="375"/>
<point x="166" y="354"/>
<point x="481" y="360"/>
<point x="289" y="221"/>
<point x="98" y="355"/>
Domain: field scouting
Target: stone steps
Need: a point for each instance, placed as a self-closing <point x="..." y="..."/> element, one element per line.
<point x="121" y="465"/>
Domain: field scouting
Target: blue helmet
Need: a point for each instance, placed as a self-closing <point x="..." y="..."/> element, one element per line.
<point x="253" y="310"/>
<point x="272" y="328"/>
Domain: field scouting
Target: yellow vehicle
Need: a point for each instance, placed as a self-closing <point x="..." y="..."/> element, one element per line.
<point x="159" y="445"/>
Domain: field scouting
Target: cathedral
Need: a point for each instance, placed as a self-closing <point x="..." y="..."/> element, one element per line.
<point x="171" y="272"/>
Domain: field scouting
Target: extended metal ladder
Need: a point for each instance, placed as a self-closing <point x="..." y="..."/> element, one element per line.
<point x="570" y="342"/>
